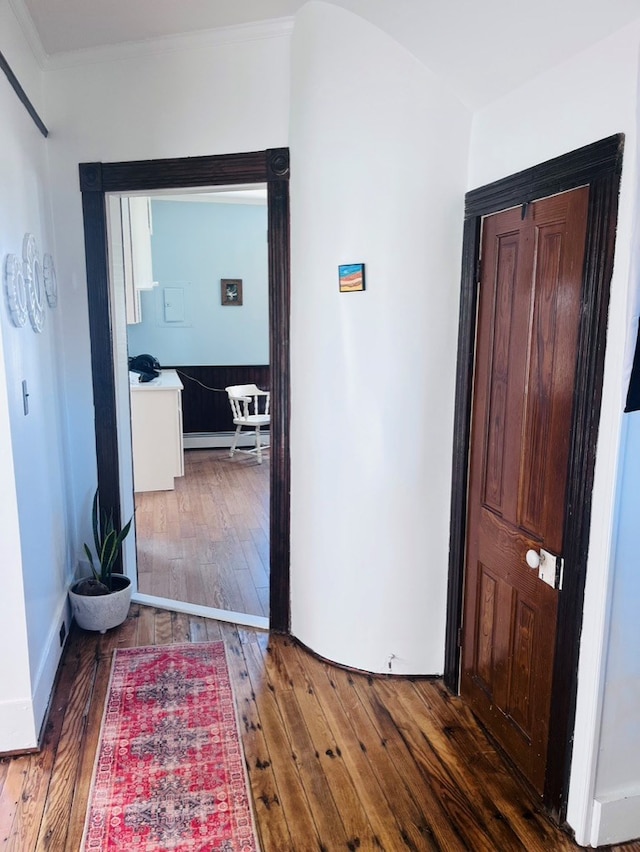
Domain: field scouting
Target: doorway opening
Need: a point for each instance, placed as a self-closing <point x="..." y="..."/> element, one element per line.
<point x="99" y="181"/>
<point x="597" y="167"/>
<point x="201" y="519"/>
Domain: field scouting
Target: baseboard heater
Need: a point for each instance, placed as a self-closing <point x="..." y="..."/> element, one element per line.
<point x="219" y="440"/>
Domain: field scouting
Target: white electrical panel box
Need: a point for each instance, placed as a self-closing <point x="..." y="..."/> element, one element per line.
<point x="173" y="304"/>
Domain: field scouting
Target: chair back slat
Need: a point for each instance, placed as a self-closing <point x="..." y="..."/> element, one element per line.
<point x="247" y="400"/>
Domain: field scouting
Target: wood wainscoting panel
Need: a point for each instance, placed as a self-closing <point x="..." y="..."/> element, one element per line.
<point x="206" y="410"/>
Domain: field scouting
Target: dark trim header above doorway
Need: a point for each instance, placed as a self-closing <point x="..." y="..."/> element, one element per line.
<point x="271" y="167"/>
<point x="599" y="166"/>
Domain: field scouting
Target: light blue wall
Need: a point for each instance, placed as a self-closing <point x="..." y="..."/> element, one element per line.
<point x="622" y="692"/>
<point x="194" y="245"/>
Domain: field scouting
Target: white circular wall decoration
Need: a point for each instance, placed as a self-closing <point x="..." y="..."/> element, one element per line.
<point x="33" y="280"/>
<point x="15" y="289"/>
<point x="29" y="252"/>
<point x="50" y="283"/>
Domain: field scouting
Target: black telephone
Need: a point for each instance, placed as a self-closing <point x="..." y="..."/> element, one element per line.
<point x="146" y="366"/>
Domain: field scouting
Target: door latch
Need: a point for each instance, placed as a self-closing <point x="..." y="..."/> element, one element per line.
<point x="549" y="566"/>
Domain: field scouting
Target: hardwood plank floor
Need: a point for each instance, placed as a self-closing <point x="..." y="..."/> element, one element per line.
<point x="207" y="542"/>
<point x="336" y="760"/>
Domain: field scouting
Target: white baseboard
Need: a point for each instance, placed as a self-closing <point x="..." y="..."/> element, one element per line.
<point x="616" y="820"/>
<point x="17" y="729"/>
<point x="21" y="719"/>
<point x="217" y="440"/>
<point x="241" y="618"/>
<point x="42" y="686"/>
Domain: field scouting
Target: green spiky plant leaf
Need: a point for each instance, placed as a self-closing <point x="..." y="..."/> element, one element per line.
<point x="107" y="542"/>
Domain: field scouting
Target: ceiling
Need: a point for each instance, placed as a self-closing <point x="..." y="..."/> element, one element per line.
<point x="482" y="48"/>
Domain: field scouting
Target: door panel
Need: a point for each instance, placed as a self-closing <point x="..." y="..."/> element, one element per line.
<point x="550" y="386"/>
<point x="528" y="319"/>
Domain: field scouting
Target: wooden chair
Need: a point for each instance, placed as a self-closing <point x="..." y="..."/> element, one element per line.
<point x="250" y="407"/>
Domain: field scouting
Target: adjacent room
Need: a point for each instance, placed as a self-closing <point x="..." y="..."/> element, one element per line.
<point x="201" y="513"/>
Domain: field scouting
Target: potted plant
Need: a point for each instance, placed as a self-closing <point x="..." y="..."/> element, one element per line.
<point x="101" y="601"/>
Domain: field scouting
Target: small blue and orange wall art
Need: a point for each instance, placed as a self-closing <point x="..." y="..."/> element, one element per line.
<point x="351" y="277"/>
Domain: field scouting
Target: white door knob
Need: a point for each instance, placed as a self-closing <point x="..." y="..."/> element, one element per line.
<point x="533" y="559"/>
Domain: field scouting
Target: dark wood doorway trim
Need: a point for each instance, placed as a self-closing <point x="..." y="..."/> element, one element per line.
<point x="599" y="166"/>
<point x="270" y="167"/>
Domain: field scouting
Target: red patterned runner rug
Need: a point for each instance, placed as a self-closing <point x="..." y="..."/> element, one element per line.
<point x="170" y="772"/>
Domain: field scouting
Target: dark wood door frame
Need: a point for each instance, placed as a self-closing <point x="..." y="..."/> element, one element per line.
<point x="599" y="166"/>
<point x="270" y="167"/>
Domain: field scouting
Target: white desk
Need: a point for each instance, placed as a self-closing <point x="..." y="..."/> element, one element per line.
<point x="156" y="432"/>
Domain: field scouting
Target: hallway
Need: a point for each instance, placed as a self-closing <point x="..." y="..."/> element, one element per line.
<point x="336" y="760"/>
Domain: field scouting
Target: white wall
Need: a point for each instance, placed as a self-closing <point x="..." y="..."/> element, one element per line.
<point x="185" y="99"/>
<point x="378" y="161"/>
<point x="174" y="99"/>
<point x="588" y="98"/>
<point x="33" y="507"/>
<point x="17" y="719"/>
<point x="616" y="814"/>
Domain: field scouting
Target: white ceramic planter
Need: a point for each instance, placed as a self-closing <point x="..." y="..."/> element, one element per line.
<point x="102" y="612"/>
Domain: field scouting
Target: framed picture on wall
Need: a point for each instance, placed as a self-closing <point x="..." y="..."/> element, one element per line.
<point x="231" y="291"/>
<point x="351" y="277"/>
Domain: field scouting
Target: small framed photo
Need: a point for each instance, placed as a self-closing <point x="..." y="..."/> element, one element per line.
<point x="351" y="277"/>
<point x="231" y="291"/>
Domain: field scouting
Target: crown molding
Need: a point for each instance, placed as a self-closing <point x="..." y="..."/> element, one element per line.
<point x="25" y="22"/>
<point x="276" y="28"/>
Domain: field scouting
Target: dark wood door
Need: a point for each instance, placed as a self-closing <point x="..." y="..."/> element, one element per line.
<point x="528" y="319"/>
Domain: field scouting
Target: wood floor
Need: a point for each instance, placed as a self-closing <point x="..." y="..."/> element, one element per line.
<point x="336" y="761"/>
<point x="207" y="542"/>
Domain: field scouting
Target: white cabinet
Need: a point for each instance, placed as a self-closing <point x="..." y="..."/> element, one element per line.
<point x="156" y="432"/>
<point x="136" y="249"/>
<point x="132" y="296"/>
